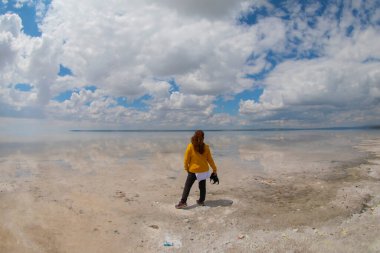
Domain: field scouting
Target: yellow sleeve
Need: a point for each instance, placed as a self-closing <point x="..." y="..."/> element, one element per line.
<point x="210" y="160"/>
<point x="187" y="157"/>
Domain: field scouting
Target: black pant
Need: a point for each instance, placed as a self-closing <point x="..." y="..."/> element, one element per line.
<point x="191" y="177"/>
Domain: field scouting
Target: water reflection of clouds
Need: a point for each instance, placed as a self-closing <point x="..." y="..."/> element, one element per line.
<point x="293" y="151"/>
<point x="106" y="153"/>
<point x="90" y="152"/>
<point x="260" y="155"/>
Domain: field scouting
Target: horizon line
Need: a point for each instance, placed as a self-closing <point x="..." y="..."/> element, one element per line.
<point x="228" y="130"/>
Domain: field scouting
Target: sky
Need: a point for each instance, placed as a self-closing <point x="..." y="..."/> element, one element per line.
<point x="186" y="64"/>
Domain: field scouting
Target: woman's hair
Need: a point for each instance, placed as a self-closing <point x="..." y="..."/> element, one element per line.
<point x="197" y="141"/>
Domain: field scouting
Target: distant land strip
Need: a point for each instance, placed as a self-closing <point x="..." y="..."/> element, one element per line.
<point x="228" y="130"/>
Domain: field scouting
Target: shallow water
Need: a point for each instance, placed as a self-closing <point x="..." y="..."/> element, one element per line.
<point x="251" y="150"/>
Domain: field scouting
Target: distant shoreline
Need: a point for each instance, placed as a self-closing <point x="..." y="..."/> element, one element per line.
<point x="230" y="130"/>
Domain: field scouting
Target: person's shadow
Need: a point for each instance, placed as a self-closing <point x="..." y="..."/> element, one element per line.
<point x="213" y="203"/>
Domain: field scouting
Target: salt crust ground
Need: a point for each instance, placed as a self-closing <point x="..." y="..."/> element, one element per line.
<point x="62" y="200"/>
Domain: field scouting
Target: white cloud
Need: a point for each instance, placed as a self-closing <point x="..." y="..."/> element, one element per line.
<point x="165" y="109"/>
<point x="26" y="60"/>
<point x="20" y="3"/>
<point x="131" y="43"/>
<point x="18" y="99"/>
<point x="11" y="40"/>
<point x="10" y="26"/>
<point x="43" y="67"/>
<point x="323" y="88"/>
<point x="83" y="105"/>
<point x="41" y="9"/>
<point x="224" y="71"/>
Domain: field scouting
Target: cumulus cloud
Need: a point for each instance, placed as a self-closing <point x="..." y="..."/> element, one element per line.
<point x="166" y="108"/>
<point x="12" y="101"/>
<point x="25" y="59"/>
<point x="320" y="82"/>
<point x="10" y="26"/>
<point x="118" y="48"/>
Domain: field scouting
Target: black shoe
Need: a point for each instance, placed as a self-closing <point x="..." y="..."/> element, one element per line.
<point x="181" y="205"/>
<point x="200" y="203"/>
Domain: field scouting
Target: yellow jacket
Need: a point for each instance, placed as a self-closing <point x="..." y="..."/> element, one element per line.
<point x="197" y="163"/>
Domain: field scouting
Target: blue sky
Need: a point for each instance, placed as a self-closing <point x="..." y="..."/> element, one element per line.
<point x="27" y="12"/>
<point x="244" y="64"/>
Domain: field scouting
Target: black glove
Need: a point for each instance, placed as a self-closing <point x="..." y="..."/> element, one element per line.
<point x="214" y="178"/>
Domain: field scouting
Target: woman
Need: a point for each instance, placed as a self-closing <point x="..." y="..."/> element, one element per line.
<point x="197" y="160"/>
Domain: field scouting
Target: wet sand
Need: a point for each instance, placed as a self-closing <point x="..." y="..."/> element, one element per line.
<point x="279" y="192"/>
